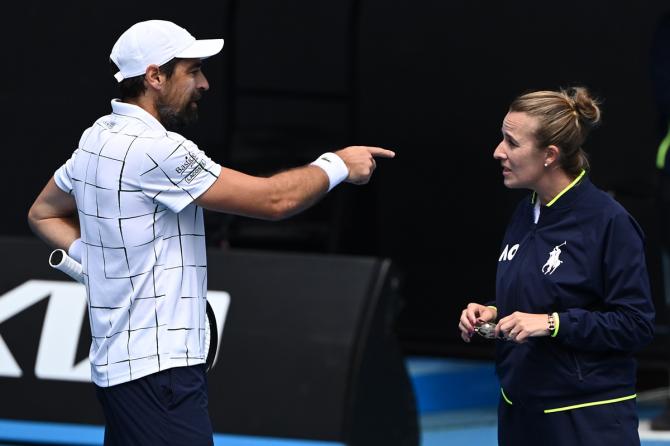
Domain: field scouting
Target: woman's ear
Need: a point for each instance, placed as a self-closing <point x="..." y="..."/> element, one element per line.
<point x="551" y="155"/>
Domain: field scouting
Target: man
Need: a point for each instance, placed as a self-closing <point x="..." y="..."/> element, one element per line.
<point x="128" y="204"/>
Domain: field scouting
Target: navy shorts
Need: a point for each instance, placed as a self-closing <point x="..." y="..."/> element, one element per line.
<point x="612" y="424"/>
<point x="164" y="408"/>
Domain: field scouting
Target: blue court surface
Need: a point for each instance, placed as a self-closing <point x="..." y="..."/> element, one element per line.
<point x="456" y="400"/>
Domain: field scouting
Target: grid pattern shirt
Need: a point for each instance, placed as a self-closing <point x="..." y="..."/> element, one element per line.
<point x="144" y="259"/>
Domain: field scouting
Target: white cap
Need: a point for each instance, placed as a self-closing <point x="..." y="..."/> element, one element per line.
<point x="155" y="42"/>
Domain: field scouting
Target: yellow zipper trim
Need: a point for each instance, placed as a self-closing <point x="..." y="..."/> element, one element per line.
<point x="575" y="181"/>
<point x="505" y="397"/>
<point x="594" y="403"/>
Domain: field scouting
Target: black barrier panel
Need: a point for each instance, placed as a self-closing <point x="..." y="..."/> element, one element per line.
<point x="308" y="348"/>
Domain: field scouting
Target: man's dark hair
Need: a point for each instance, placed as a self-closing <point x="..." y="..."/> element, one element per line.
<point x="133" y="87"/>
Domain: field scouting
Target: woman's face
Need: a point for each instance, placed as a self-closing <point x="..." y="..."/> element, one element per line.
<point x="521" y="160"/>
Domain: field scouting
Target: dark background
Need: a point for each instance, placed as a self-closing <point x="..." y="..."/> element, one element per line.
<point x="429" y="79"/>
<point x="303" y="353"/>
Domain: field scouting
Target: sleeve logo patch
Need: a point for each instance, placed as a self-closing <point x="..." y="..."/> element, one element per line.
<point x="189" y="160"/>
<point x="194" y="173"/>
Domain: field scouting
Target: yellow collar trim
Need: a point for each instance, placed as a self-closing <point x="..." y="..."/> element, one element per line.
<point x="569" y="186"/>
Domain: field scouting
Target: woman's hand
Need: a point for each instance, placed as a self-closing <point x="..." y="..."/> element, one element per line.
<point x="518" y="326"/>
<point x="471" y="316"/>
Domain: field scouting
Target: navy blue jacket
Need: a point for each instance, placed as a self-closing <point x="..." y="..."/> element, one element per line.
<point x="585" y="260"/>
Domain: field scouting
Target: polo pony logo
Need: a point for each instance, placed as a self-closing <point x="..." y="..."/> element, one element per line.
<point x="553" y="262"/>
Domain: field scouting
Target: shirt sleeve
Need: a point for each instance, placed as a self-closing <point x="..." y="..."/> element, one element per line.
<point x="63" y="176"/>
<point x="625" y="320"/>
<point x="176" y="174"/>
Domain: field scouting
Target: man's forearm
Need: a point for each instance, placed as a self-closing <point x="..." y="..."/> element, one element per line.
<point x="53" y="217"/>
<point x="57" y="232"/>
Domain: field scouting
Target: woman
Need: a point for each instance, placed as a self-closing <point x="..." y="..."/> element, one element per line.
<point x="572" y="290"/>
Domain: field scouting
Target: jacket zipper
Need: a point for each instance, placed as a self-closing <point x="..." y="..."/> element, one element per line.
<point x="577" y="367"/>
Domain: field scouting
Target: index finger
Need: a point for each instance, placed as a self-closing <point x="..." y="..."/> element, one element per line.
<point x="505" y="325"/>
<point x="379" y="152"/>
<point x="465" y="320"/>
<point x="472" y="316"/>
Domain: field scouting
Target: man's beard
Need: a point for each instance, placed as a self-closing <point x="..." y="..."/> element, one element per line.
<point x="175" y="120"/>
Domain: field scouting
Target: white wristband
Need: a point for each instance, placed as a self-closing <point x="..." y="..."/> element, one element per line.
<point x="334" y="167"/>
<point x="75" y="249"/>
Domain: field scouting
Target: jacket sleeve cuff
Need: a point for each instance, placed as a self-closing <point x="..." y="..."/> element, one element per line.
<point x="562" y="330"/>
<point x="557" y="324"/>
<point x="492" y="304"/>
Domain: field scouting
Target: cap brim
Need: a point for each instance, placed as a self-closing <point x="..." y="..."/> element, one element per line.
<point x="201" y="49"/>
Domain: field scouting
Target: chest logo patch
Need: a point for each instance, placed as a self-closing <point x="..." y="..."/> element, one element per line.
<point x="508" y="253"/>
<point x="553" y="261"/>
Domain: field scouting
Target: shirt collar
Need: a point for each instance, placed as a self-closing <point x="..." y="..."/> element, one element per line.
<point x="134" y="111"/>
<point x="564" y="191"/>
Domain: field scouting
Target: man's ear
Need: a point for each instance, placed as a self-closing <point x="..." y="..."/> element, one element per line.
<point x="154" y="78"/>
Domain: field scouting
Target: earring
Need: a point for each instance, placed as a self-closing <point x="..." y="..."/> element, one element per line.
<point x="546" y="164"/>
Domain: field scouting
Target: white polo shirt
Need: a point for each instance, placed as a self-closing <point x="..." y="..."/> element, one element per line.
<point x="144" y="259"/>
